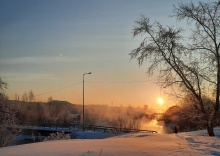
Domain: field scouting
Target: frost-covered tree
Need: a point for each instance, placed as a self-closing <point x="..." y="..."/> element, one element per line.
<point x="8" y="120"/>
<point x="190" y="64"/>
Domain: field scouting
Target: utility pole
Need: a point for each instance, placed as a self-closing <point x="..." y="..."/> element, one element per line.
<point x="83" y="102"/>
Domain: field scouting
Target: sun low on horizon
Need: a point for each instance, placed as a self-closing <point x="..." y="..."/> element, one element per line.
<point x="160" y="101"/>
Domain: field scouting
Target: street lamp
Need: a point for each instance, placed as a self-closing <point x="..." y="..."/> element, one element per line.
<point x="83" y="101"/>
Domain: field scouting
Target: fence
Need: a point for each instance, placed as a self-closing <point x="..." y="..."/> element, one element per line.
<point x="72" y="127"/>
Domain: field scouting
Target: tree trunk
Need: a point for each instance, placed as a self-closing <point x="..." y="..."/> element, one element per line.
<point x="210" y="129"/>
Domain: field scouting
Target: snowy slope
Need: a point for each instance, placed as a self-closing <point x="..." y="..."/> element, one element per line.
<point x="136" y="144"/>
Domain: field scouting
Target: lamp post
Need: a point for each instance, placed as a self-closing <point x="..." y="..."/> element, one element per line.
<point x="83" y="101"/>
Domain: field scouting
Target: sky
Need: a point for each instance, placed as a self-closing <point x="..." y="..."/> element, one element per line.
<point x="47" y="45"/>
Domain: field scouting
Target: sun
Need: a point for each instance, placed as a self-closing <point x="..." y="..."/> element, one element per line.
<point x="160" y="101"/>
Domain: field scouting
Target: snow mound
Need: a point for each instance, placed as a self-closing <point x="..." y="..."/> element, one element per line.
<point x="131" y="144"/>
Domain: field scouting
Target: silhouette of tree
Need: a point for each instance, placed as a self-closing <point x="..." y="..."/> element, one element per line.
<point x="190" y="65"/>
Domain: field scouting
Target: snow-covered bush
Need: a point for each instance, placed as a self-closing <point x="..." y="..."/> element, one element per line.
<point x="57" y="136"/>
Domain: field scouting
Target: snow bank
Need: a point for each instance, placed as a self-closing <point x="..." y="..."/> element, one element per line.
<point x="133" y="144"/>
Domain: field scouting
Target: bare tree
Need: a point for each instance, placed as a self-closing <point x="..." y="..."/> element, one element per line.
<point x="25" y="97"/>
<point x="8" y="120"/>
<point x="190" y="64"/>
<point x="50" y="99"/>
<point x="28" y="97"/>
<point x="16" y="98"/>
<point x="31" y="96"/>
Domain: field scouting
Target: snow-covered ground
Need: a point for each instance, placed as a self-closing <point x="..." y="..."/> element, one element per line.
<point x="133" y="144"/>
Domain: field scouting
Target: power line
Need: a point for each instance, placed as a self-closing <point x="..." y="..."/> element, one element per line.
<point x="121" y="81"/>
<point x="58" y="89"/>
<point x="116" y="82"/>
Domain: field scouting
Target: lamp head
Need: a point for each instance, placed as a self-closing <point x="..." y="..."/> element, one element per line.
<point x="87" y="73"/>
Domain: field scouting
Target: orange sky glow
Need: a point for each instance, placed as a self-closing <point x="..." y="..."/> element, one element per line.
<point x="47" y="47"/>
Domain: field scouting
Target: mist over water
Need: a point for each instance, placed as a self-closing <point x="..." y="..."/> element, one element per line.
<point x="152" y="125"/>
<point x="57" y="112"/>
<point x="123" y="117"/>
